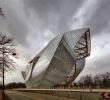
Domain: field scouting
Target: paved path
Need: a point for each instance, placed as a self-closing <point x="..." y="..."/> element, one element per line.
<point x="33" y="96"/>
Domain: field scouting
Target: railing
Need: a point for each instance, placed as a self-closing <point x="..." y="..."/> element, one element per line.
<point x="67" y="93"/>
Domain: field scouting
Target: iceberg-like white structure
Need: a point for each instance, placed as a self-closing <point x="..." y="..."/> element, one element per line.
<point x="60" y="61"/>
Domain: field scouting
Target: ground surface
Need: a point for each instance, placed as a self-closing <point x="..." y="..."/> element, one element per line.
<point x="5" y="98"/>
<point x="0" y="96"/>
<point x="55" y="94"/>
<point x="33" y="96"/>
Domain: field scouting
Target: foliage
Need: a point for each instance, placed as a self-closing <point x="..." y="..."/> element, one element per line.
<point x="14" y="85"/>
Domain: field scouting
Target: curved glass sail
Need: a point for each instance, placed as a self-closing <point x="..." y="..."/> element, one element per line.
<point x="60" y="61"/>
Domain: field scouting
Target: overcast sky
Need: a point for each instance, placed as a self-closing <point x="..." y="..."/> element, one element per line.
<point x="33" y="23"/>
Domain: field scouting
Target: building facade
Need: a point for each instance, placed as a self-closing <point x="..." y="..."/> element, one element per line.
<point x="60" y="61"/>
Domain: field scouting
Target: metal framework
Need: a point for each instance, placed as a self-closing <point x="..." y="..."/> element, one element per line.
<point x="81" y="48"/>
<point x="81" y="51"/>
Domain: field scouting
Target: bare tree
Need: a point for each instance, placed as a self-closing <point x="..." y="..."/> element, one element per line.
<point x="88" y="80"/>
<point x="6" y="51"/>
<point x="96" y="80"/>
<point x="106" y="79"/>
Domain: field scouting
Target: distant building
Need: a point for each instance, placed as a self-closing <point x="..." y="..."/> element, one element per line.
<point x="60" y="61"/>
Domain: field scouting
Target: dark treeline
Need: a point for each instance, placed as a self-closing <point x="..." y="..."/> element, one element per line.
<point x="13" y="85"/>
<point x="97" y="81"/>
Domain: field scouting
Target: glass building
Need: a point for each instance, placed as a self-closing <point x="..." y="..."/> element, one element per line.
<point x="60" y="61"/>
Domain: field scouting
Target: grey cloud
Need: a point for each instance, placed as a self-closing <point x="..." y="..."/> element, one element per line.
<point x="105" y="44"/>
<point x="15" y="20"/>
<point x="97" y="66"/>
<point x="102" y="62"/>
<point x="18" y="30"/>
<point x="101" y="18"/>
<point x="55" y="14"/>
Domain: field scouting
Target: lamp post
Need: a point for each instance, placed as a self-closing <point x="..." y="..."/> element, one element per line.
<point x="3" y="94"/>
